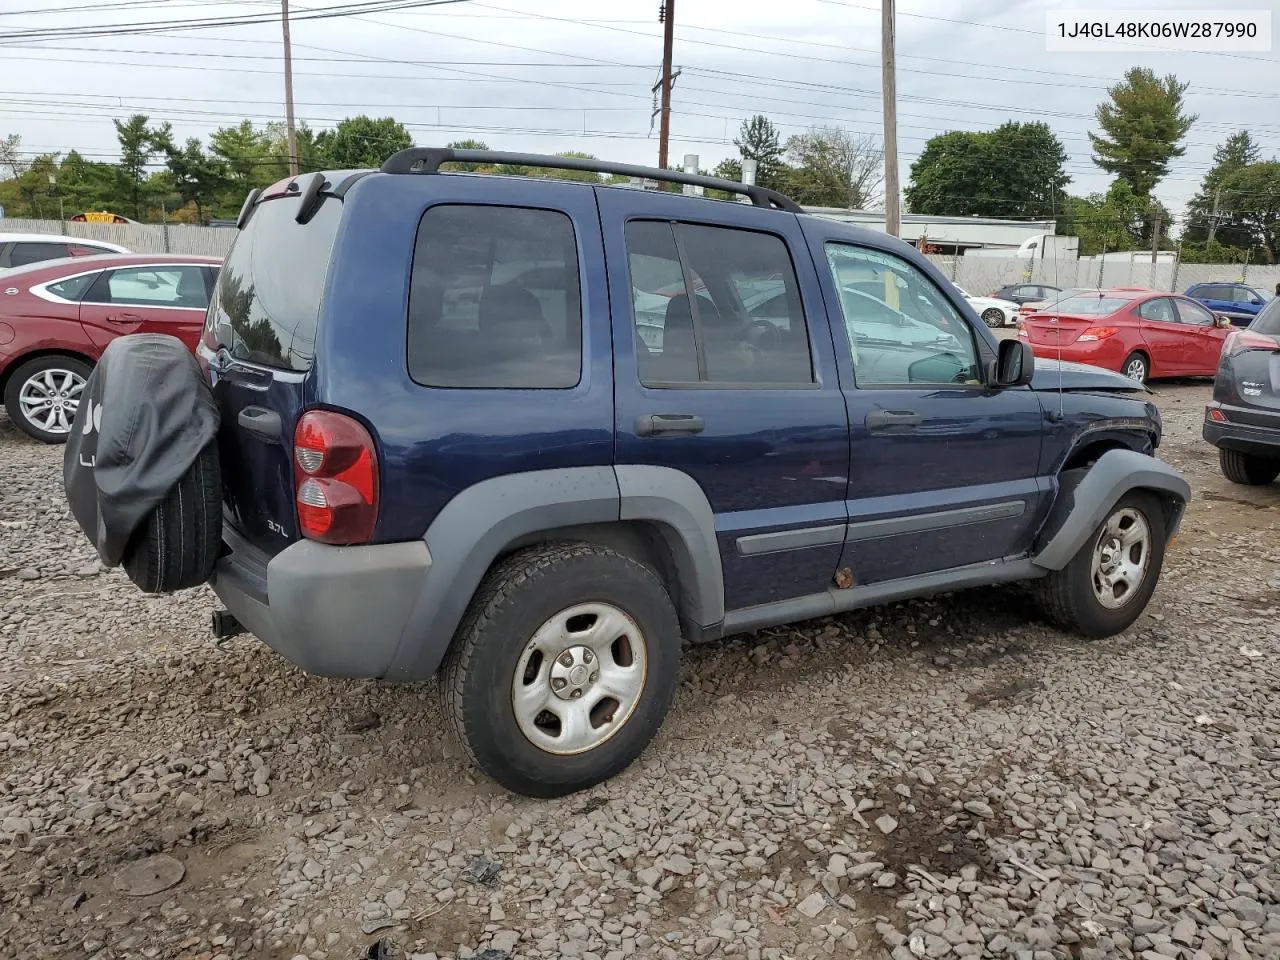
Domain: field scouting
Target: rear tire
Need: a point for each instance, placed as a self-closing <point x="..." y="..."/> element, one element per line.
<point x="1137" y="367"/>
<point x="1085" y="596"/>
<point x="1252" y="471"/>
<point x="27" y="387"/>
<point x="528" y="680"/>
<point x="178" y="544"/>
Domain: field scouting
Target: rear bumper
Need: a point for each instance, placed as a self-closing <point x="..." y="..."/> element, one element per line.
<point x="1244" y="438"/>
<point x="333" y="611"/>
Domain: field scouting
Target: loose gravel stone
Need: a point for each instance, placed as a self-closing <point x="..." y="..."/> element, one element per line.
<point x="1048" y="799"/>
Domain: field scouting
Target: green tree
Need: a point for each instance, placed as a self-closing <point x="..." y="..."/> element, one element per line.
<point x="88" y="185"/>
<point x="138" y="144"/>
<point x="759" y="140"/>
<point x="728" y="169"/>
<point x="1015" y="170"/>
<point x="1143" y="125"/>
<point x="1254" y="194"/>
<point x="831" y="167"/>
<point x="1114" y="220"/>
<point x="470" y="144"/>
<point x="197" y="177"/>
<point x="1235" y="153"/>
<point x="248" y="162"/>
<point x="360" y="142"/>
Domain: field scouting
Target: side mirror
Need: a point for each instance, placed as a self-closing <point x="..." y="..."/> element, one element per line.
<point x="1221" y="321"/>
<point x="1015" y="364"/>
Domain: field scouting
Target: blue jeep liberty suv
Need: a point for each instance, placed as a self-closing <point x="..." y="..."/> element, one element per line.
<point x="530" y="435"/>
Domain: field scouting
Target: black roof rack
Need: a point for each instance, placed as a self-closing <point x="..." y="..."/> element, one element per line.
<point x="429" y="160"/>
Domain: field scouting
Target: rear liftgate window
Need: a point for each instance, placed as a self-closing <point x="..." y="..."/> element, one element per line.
<point x="267" y="301"/>
<point x="495" y="300"/>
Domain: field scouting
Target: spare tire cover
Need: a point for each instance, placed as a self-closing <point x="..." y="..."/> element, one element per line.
<point x="146" y="413"/>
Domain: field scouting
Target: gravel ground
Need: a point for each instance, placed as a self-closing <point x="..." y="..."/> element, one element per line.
<point x="939" y="778"/>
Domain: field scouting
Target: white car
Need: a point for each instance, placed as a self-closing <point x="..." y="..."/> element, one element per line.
<point x="994" y="313"/>
<point x="20" y="249"/>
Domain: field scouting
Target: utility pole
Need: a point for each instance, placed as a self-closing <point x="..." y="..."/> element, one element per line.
<point x="667" y="14"/>
<point x="892" y="212"/>
<point x="288" y="91"/>
<point x="1213" y="217"/>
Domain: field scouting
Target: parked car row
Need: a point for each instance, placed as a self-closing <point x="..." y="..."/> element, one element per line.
<point x="57" y="316"/>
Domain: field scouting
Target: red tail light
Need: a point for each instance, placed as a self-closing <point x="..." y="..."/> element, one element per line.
<point x="1242" y="341"/>
<point x="1098" y="333"/>
<point x="1216" y="415"/>
<point x="335" y="478"/>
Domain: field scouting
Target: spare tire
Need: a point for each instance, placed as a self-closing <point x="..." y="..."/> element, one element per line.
<point x="178" y="543"/>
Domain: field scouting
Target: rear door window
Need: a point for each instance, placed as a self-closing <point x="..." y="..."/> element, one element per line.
<point x="1160" y="309"/>
<point x="495" y="299"/>
<point x="152" y="286"/>
<point x="73" y="288"/>
<point x="24" y="253"/>
<point x="267" y="301"/>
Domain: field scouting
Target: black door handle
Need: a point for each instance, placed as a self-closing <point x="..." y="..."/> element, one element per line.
<point x="261" y="422"/>
<point x="654" y="424"/>
<point x="892" y="418"/>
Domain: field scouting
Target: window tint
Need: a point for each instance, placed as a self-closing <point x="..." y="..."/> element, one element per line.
<point x="902" y="330"/>
<point x="267" y="301"/>
<point x="495" y="299"/>
<point x="1214" y="291"/>
<point x="72" y="288"/>
<point x="1159" y="309"/>
<point x="157" y="286"/>
<point x="745" y="322"/>
<point x="24" y="253"/>
<point x="1268" y="319"/>
<point x="1190" y="312"/>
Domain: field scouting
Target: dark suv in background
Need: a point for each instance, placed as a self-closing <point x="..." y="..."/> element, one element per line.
<point x="531" y="435"/>
<point x="1243" y="418"/>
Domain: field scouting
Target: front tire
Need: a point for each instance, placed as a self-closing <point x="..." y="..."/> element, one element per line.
<point x="1108" y="583"/>
<point x="1249" y="470"/>
<point x="563" y="668"/>
<point x="993" y="317"/>
<point x="43" y="395"/>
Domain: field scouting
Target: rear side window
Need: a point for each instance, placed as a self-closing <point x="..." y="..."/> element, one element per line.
<point x="267" y="301"/>
<point x="1268" y="320"/>
<point x="495" y="300"/>
<point x="25" y="253"/>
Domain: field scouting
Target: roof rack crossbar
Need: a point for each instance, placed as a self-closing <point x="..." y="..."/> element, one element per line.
<point x="429" y="160"/>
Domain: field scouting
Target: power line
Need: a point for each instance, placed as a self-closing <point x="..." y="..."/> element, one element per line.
<point x="132" y="29"/>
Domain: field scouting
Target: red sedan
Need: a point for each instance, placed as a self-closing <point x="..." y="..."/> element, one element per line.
<point x="1142" y="334"/>
<point x="57" y="317"/>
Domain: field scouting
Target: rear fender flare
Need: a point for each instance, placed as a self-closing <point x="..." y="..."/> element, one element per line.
<point x="1085" y="497"/>
<point x="486" y="520"/>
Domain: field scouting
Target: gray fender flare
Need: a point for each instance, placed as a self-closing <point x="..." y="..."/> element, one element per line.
<point x="482" y="521"/>
<point x="1082" y="506"/>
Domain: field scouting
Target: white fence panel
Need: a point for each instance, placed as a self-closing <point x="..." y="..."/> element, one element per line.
<point x="138" y="237"/>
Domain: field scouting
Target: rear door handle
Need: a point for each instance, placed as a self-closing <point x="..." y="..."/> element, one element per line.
<point x="124" y="319"/>
<point x="655" y="424"/>
<point x="261" y="422"/>
<point x="877" y="419"/>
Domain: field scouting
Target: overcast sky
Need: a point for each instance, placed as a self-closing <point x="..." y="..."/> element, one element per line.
<point x="553" y="75"/>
